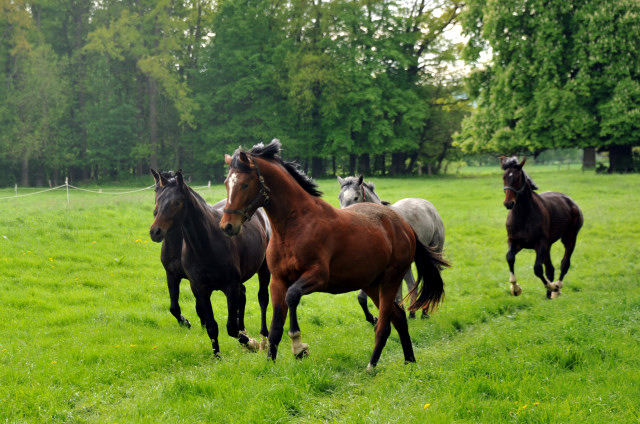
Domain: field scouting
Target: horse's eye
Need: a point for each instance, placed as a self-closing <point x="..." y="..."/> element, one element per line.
<point x="177" y="203"/>
<point x="245" y="185"/>
<point x="355" y="198"/>
<point x="155" y="212"/>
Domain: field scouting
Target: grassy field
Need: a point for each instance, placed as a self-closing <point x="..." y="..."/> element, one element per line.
<point x="86" y="335"/>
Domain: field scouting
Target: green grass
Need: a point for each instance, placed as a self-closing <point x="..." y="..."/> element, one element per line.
<point x="86" y="335"/>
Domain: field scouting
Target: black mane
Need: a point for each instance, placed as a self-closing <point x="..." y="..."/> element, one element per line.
<point x="512" y="162"/>
<point x="270" y="152"/>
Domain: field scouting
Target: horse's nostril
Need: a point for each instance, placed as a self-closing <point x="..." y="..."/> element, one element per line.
<point x="228" y="229"/>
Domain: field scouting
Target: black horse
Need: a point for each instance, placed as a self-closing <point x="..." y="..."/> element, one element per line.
<point x="170" y="254"/>
<point x="536" y="221"/>
<point x="211" y="260"/>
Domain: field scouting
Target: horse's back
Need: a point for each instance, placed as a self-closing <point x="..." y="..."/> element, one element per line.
<point x="425" y="220"/>
<point x="564" y="213"/>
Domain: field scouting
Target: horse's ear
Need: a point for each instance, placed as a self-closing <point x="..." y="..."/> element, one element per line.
<point x="244" y="158"/>
<point x="340" y="181"/>
<point x="163" y="180"/>
<point x="155" y="174"/>
<point x="179" y="178"/>
<point x="502" y="159"/>
<point x="227" y="159"/>
<point x="521" y="164"/>
<point x="360" y="179"/>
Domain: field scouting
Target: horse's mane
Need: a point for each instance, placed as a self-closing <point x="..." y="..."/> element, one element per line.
<point x="512" y="162"/>
<point x="171" y="178"/>
<point x="271" y="152"/>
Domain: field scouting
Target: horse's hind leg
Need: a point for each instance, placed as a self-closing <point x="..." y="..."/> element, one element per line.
<point x="543" y="256"/>
<point x="411" y="283"/>
<point x="263" y="298"/>
<point x="362" y="300"/>
<point x="516" y="290"/>
<point x="385" y="303"/>
<point x="399" y="321"/>
<point x="569" y="246"/>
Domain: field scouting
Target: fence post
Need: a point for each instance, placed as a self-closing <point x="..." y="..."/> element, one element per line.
<point x="66" y="183"/>
<point x="16" y="189"/>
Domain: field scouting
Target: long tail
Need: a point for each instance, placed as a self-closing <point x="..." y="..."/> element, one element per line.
<point x="429" y="284"/>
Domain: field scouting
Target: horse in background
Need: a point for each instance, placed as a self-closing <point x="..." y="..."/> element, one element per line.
<point x="536" y="221"/>
<point x="421" y="215"/>
<point x="318" y="248"/>
<point x="211" y="260"/>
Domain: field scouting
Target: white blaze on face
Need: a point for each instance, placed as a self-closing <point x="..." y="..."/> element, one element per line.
<point x="233" y="179"/>
<point x="349" y="196"/>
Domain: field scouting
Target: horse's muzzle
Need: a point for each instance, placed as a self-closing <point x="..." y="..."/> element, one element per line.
<point x="509" y="204"/>
<point x="156" y="234"/>
<point x="229" y="229"/>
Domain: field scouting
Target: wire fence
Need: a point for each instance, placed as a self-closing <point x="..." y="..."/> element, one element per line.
<point x="69" y="187"/>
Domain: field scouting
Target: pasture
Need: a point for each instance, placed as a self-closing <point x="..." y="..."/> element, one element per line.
<point x="86" y="335"/>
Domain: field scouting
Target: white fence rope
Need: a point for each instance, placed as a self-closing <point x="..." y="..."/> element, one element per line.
<point x="68" y="186"/>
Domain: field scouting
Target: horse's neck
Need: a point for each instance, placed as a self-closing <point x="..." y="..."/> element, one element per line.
<point x="371" y="196"/>
<point x="196" y="226"/>
<point x="525" y="204"/>
<point x="289" y="202"/>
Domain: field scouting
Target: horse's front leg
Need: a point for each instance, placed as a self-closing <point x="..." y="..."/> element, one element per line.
<point x="307" y="283"/>
<point x="173" y="284"/>
<point x="516" y="290"/>
<point x="542" y="256"/>
<point x="280" y="310"/>
<point x="236" y="301"/>
<point x="383" y="327"/>
<point x="209" y="321"/>
<point x="263" y="299"/>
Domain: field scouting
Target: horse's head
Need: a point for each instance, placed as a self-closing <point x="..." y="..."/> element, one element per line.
<point x="352" y="190"/>
<point x="246" y="192"/>
<point x="515" y="180"/>
<point x="170" y="198"/>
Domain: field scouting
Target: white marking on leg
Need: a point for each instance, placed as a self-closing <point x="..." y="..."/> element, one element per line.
<point x="512" y="277"/>
<point x="297" y="347"/>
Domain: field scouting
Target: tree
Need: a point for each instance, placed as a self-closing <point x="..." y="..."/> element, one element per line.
<point x="563" y="74"/>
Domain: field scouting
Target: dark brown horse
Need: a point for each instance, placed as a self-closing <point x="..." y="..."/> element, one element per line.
<point x="211" y="260"/>
<point x="170" y="254"/>
<point x="318" y="248"/>
<point x="536" y="221"/>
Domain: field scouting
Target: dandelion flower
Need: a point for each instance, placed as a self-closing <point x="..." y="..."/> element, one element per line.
<point x="426" y="405"/>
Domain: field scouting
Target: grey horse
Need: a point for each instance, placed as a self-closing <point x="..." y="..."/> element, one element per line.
<point x="420" y="214"/>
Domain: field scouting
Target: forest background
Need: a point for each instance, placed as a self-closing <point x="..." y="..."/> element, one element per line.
<point x="103" y="90"/>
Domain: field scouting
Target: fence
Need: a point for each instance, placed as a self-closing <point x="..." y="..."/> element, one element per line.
<point x="68" y="186"/>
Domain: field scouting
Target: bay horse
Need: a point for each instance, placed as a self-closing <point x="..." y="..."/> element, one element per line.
<point x="211" y="260"/>
<point x="536" y="221"/>
<point x="170" y="257"/>
<point x="318" y="248"/>
<point x="421" y="215"/>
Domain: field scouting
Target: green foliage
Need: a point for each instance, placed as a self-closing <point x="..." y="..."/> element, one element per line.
<point x="86" y="335"/>
<point x="563" y="74"/>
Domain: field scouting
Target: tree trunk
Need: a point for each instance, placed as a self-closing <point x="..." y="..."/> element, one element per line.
<point x="352" y="164"/>
<point x="589" y="158"/>
<point x="364" y="164"/>
<point x="153" y="122"/>
<point x="317" y="167"/>
<point x="397" y="163"/>
<point x="24" y="181"/>
<point x="620" y="159"/>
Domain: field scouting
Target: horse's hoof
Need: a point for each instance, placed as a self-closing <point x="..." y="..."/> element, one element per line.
<point x="252" y="345"/>
<point x="264" y="343"/>
<point x="424" y="315"/>
<point x="185" y="323"/>
<point x="516" y="290"/>
<point x="374" y="321"/>
<point x="555" y="294"/>
<point x="371" y="368"/>
<point x="412" y="315"/>
<point x="304" y="352"/>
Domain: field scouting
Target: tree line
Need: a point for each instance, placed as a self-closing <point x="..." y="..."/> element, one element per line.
<point x="104" y="90"/>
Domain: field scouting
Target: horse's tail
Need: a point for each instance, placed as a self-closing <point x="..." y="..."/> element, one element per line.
<point x="429" y="284"/>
